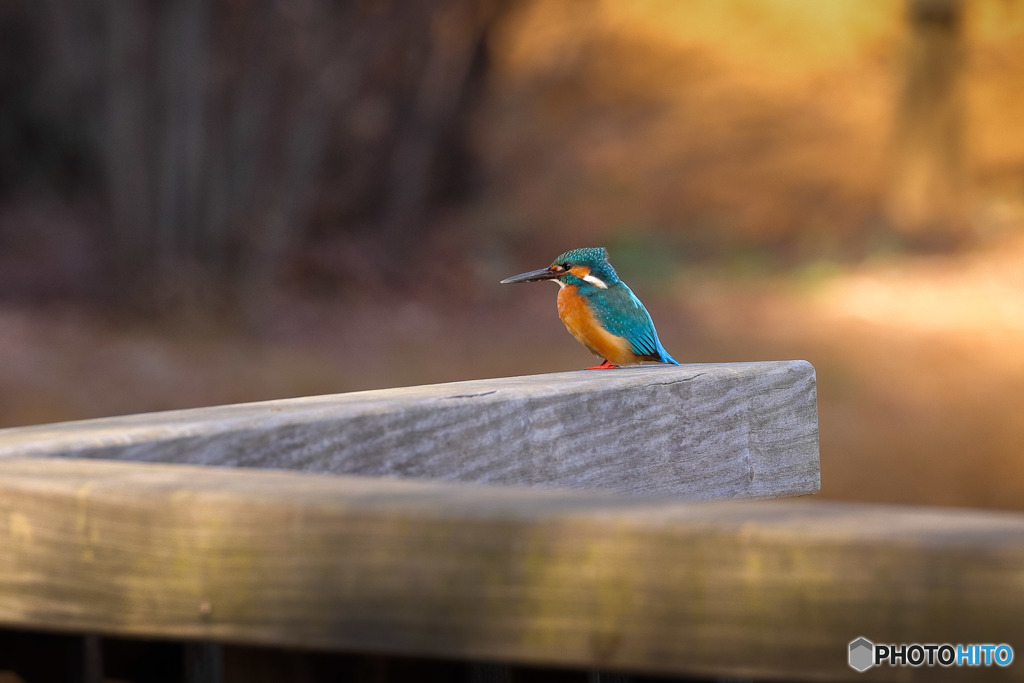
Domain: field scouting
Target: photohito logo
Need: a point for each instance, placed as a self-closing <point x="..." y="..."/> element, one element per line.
<point x="864" y="654"/>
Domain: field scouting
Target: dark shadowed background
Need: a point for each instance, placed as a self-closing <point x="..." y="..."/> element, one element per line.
<point x="207" y="201"/>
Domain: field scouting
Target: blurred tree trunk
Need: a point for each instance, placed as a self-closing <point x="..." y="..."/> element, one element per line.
<point x="224" y="132"/>
<point x="451" y="75"/>
<point x="926" y="186"/>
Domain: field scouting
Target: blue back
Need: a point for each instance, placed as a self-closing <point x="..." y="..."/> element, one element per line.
<point x="621" y="313"/>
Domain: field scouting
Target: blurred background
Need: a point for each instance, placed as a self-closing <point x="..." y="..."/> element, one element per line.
<point x="208" y="201"/>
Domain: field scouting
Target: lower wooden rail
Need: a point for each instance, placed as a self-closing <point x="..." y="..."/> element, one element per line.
<point x="732" y="588"/>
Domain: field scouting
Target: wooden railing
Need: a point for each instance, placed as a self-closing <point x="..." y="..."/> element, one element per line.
<point x="631" y="575"/>
<point x="697" y="432"/>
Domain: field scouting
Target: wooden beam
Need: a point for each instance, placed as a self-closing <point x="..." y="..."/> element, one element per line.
<point x="696" y="431"/>
<point x="773" y="589"/>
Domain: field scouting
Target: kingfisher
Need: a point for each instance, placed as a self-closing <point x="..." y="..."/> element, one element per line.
<point x="600" y="310"/>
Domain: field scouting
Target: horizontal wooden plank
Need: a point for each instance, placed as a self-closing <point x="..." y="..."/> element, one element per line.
<point x="695" y="431"/>
<point x="586" y="579"/>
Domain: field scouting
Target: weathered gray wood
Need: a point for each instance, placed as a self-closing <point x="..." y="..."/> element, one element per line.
<point x="755" y="589"/>
<point x="698" y="431"/>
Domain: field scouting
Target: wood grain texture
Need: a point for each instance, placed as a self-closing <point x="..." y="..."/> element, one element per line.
<point x="696" y="431"/>
<point x="771" y="589"/>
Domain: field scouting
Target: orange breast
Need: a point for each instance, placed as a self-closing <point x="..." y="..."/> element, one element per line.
<point x="574" y="312"/>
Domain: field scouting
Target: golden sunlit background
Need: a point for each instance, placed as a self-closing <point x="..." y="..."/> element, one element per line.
<point x="212" y="202"/>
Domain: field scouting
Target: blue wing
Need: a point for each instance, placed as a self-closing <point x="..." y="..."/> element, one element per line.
<point x="622" y="314"/>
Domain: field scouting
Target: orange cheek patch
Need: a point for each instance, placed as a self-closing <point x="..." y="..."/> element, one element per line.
<point x="580" y="271"/>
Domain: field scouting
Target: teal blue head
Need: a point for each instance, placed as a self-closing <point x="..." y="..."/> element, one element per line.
<point x="586" y="267"/>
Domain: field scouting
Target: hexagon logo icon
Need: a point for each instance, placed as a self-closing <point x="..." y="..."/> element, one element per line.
<point x="862" y="654"/>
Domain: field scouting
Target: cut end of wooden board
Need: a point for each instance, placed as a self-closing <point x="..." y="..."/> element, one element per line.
<point x="699" y="431"/>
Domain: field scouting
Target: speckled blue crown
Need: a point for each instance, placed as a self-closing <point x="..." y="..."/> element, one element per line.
<point x="594" y="258"/>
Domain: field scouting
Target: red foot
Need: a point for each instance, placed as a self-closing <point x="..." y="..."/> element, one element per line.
<point x="603" y="366"/>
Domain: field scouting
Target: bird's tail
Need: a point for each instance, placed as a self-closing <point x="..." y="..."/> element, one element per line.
<point x="665" y="358"/>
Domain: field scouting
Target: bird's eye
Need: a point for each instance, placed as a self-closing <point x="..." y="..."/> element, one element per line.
<point x="565" y="266"/>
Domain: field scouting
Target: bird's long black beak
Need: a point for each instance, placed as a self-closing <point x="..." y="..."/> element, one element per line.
<point x="532" y="276"/>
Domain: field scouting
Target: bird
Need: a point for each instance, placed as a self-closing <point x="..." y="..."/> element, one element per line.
<point x="600" y="310"/>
